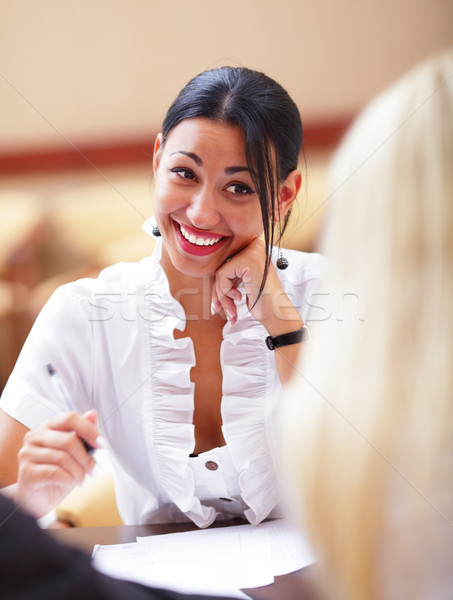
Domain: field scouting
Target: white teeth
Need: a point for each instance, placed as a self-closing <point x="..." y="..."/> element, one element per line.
<point x="198" y="241"/>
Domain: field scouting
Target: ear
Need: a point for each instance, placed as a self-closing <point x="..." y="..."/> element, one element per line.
<point x="158" y="149"/>
<point x="288" y="192"/>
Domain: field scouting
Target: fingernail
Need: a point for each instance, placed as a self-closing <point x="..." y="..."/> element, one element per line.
<point x="229" y="315"/>
<point x="212" y="308"/>
<point x="100" y="442"/>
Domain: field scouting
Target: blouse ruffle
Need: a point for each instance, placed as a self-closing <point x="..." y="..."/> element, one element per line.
<point x="249" y="381"/>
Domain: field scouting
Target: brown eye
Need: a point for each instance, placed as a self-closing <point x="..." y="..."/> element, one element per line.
<point x="239" y="189"/>
<point x="183" y="173"/>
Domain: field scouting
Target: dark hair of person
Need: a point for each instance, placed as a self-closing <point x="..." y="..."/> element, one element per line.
<point x="270" y="121"/>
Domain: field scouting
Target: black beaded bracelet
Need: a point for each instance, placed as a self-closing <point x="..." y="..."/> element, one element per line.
<point x="286" y="339"/>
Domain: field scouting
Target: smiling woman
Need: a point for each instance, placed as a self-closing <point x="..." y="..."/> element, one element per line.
<point x="168" y="357"/>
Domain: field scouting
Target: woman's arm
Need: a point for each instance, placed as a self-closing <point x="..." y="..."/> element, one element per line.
<point x="284" y="318"/>
<point x="12" y="435"/>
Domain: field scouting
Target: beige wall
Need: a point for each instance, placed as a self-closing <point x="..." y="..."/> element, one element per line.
<point x="83" y="70"/>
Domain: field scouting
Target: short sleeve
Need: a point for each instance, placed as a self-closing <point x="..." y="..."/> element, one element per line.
<point x="61" y="336"/>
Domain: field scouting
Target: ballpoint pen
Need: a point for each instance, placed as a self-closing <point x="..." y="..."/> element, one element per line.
<point x="63" y="396"/>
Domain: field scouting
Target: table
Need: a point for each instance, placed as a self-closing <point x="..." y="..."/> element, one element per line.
<point x="298" y="585"/>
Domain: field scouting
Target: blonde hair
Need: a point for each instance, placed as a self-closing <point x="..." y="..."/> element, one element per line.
<point x="368" y="419"/>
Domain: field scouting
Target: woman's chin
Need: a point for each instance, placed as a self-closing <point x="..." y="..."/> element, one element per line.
<point x="190" y="266"/>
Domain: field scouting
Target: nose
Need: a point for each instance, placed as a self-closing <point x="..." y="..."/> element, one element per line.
<point x="203" y="210"/>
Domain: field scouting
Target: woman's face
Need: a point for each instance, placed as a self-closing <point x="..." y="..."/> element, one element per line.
<point x="205" y="202"/>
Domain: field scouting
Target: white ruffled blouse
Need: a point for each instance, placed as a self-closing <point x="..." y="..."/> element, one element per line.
<point x="111" y="341"/>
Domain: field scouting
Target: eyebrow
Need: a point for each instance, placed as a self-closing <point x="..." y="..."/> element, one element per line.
<point x="199" y="162"/>
<point x="233" y="170"/>
<point x="191" y="155"/>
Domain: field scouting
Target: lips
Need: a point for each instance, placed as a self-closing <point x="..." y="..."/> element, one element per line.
<point x="196" y="243"/>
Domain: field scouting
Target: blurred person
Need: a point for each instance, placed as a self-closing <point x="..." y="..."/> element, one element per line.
<point x="178" y="360"/>
<point x="368" y="421"/>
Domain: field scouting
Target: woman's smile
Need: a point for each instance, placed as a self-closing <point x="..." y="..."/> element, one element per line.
<point x="196" y="242"/>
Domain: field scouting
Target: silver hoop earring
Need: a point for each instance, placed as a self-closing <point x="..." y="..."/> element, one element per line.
<point x="282" y="262"/>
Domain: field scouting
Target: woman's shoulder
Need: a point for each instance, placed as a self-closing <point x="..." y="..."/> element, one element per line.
<point x="122" y="277"/>
<point x="302" y="266"/>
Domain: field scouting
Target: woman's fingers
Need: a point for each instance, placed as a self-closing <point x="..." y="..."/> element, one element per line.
<point x="85" y="426"/>
<point x="42" y="486"/>
<point x="60" y="442"/>
<point x="229" y="308"/>
<point x="247" y="267"/>
<point x="63" y="448"/>
<point x="92" y="415"/>
<point x="51" y="467"/>
<point x="225" y="295"/>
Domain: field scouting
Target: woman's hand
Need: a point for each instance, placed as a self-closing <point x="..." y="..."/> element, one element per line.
<point x="53" y="460"/>
<point x="246" y="266"/>
<point x="273" y="309"/>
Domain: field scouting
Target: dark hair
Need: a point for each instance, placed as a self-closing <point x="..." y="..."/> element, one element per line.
<point x="268" y="117"/>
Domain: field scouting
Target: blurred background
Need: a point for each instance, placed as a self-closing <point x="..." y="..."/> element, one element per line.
<point x="84" y="86"/>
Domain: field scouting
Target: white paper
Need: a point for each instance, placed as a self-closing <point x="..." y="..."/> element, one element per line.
<point x="212" y="561"/>
<point x="290" y="548"/>
<point x="215" y="561"/>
